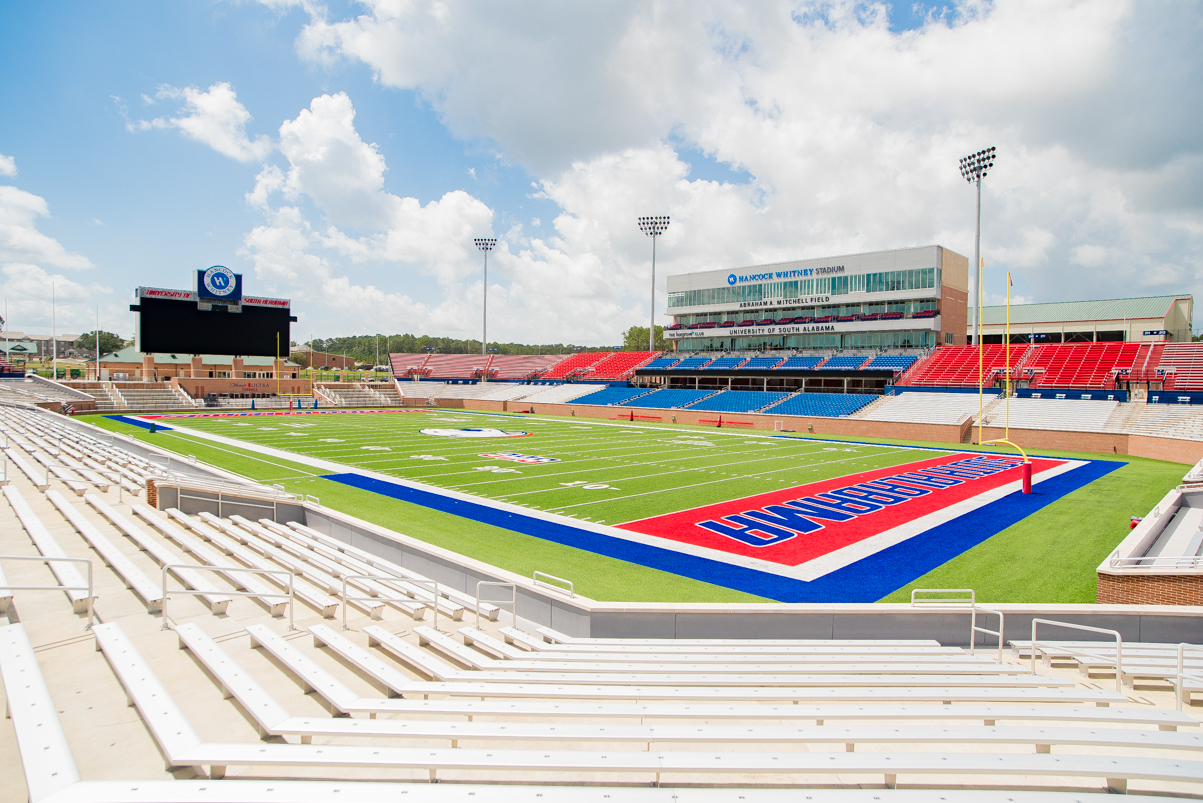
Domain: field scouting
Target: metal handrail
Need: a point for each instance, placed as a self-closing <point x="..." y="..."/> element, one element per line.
<point x="1152" y="562"/>
<point x="222" y="570"/>
<point x="1182" y="673"/>
<point x="434" y="603"/>
<point x="535" y="579"/>
<point x="1119" y="645"/>
<point x="974" y="609"/>
<point x="43" y="559"/>
<point x="513" y="600"/>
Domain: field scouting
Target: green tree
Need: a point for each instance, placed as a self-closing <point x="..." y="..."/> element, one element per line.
<point x="635" y="339"/>
<point x="109" y="342"/>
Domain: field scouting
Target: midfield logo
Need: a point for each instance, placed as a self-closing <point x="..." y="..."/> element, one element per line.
<point x="515" y="457"/>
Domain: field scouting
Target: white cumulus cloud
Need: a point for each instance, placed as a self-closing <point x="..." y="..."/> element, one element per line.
<point x="213" y="117"/>
<point x="8" y="165"/>
<point x="20" y="241"/>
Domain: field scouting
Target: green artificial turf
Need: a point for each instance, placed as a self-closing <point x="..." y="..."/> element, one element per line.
<point x="611" y="473"/>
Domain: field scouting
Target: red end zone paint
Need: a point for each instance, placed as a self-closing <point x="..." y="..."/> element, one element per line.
<point x="792" y="526"/>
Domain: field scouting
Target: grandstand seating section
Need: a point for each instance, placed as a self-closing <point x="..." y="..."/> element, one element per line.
<point x="798" y="361"/>
<point x="761" y="363"/>
<point x="927" y="408"/>
<point x="521" y="366"/>
<point x="725" y="363"/>
<point x="620" y="365"/>
<point x="669" y="398"/>
<point x="831" y="405"/>
<point x="692" y="363"/>
<point x="1078" y="365"/>
<point x="402" y="364"/>
<point x="958" y="365"/>
<point x="1186" y="360"/>
<point x="739" y="401"/>
<point x="456" y="366"/>
<point x="557" y="394"/>
<point x="898" y="363"/>
<point x="575" y="364"/>
<point x="842" y="362"/>
<point x="610" y="396"/>
<point x="661" y="363"/>
<point x="1066" y="415"/>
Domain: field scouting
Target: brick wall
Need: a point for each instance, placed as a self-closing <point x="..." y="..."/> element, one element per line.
<point x="1150" y="589"/>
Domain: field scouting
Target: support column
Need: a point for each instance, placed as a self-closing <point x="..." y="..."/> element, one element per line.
<point x="148" y="367"/>
<point x="237" y="368"/>
<point x="197" y="365"/>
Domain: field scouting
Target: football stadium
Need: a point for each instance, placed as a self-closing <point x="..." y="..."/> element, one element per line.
<point x="832" y="549"/>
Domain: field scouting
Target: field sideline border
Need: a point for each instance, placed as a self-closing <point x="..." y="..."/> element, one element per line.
<point x="865" y="580"/>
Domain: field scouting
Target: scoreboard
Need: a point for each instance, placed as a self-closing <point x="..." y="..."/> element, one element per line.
<point x="187" y="322"/>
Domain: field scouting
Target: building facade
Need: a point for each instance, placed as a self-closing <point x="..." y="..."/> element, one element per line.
<point x="1154" y="318"/>
<point x="909" y="297"/>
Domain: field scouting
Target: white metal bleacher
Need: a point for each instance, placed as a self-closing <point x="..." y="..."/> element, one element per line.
<point x="1068" y="415"/>
<point x="560" y="394"/>
<point x="927" y="408"/>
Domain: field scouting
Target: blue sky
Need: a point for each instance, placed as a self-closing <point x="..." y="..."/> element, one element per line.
<point x="345" y="154"/>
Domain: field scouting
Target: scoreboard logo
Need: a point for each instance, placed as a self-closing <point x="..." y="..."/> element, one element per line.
<point x="219" y="282"/>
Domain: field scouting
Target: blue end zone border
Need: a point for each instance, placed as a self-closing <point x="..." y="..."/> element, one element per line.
<point x="133" y="422"/>
<point x="867" y="580"/>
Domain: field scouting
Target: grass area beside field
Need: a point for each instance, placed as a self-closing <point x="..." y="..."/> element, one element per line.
<point x="1048" y="557"/>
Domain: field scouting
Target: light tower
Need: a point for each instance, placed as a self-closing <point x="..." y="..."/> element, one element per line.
<point x="973" y="168"/>
<point x="653" y="227"/>
<point x="485" y="244"/>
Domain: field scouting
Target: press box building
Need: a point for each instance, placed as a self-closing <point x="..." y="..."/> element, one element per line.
<point x="907" y="297"/>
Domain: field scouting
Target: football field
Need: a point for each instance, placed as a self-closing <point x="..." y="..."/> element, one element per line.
<point x="632" y="510"/>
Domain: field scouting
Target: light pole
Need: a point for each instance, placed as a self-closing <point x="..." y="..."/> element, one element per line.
<point x="973" y="168"/>
<point x="485" y="244"/>
<point x="653" y="227"/>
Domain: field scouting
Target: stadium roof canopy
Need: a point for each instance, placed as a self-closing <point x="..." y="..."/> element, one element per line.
<point x="1063" y="311"/>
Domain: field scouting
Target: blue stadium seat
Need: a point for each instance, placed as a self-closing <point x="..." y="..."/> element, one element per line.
<point x="895" y="362"/>
<point x="799" y="362"/>
<point x="668" y="398"/>
<point x="610" y="396"/>
<point x="739" y="401"/>
<point x="725" y="364"/>
<point x="691" y="363"/>
<point x="663" y="362"/>
<point x="760" y="364"/>
<point x="843" y="363"/>
<point x="831" y="405"/>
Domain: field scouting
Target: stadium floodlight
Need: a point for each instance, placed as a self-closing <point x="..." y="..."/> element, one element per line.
<point x="973" y="168"/>
<point x="485" y="244"/>
<point x="653" y="226"/>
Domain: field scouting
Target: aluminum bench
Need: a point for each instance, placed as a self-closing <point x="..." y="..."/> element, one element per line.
<point x="217" y="602"/>
<point x="341" y="564"/>
<point x="335" y="569"/>
<point x="210" y="557"/>
<point x="133" y="577"/>
<point x="556" y="637"/>
<point x="38" y="478"/>
<point x="65" y="573"/>
<point x="271" y="719"/>
<point x="388" y="567"/>
<point x="313" y="576"/>
<point x="45" y="753"/>
<point x="748" y="647"/>
<point x="303" y="590"/>
<point x="838" y="675"/>
<point x="182" y="747"/>
<point x="610" y="662"/>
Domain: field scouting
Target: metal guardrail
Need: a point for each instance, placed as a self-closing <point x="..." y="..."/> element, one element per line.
<point x="512" y="601"/>
<point x="222" y="570"/>
<point x="1119" y="645"/>
<point x="974" y="610"/>
<point x="44" y="559"/>
<point x="434" y="603"/>
<point x="1182" y="674"/>
<point x="535" y="579"/>
<point x="1157" y="562"/>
